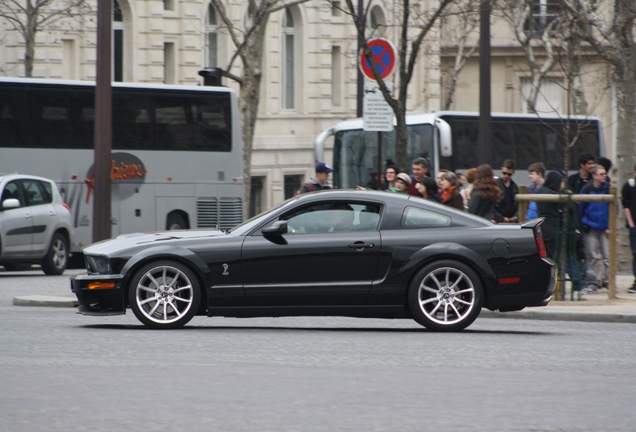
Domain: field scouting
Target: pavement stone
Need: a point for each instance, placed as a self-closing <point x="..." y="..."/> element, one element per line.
<point x="595" y="307"/>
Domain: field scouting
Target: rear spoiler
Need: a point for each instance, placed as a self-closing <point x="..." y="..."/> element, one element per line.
<point x="532" y="223"/>
<point x="538" y="235"/>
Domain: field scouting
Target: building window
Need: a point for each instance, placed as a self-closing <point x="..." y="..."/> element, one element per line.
<point x="544" y="12"/>
<point x="118" y="43"/>
<point x="293" y="184"/>
<point x="550" y="97"/>
<point x="336" y="8"/>
<point x="376" y="23"/>
<point x="69" y="59"/>
<point x="211" y="38"/>
<point x="256" y="196"/>
<point x="288" y="59"/>
<point x="169" y="72"/>
<point x="336" y="76"/>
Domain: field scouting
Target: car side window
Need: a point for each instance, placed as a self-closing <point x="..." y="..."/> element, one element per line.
<point x="47" y="191"/>
<point x="12" y="190"/>
<point x="414" y="217"/>
<point x="33" y="192"/>
<point x="333" y="217"/>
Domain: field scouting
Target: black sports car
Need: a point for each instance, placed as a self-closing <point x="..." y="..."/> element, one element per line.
<point x="331" y="253"/>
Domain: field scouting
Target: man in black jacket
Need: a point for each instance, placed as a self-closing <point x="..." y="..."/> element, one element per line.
<point x="628" y="199"/>
<point x="507" y="209"/>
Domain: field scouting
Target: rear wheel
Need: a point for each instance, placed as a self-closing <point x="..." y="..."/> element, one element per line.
<point x="176" y="222"/>
<point x="446" y="296"/>
<point x="56" y="259"/>
<point x="164" y="295"/>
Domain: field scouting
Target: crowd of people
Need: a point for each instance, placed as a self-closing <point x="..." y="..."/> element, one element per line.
<point x="479" y="192"/>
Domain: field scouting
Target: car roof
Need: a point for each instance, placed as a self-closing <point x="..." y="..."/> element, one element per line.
<point x="23" y="176"/>
<point x="396" y="199"/>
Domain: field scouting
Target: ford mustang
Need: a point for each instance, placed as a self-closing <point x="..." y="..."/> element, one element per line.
<point x="327" y="253"/>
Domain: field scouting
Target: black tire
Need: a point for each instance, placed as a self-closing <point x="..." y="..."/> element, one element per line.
<point x="56" y="259"/>
<point x="176" y="222"/>
<point x="164" y="295"/>
<point x="446" y="296"/>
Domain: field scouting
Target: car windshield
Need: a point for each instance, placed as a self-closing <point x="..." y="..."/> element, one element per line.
<point x="247" y="226"/>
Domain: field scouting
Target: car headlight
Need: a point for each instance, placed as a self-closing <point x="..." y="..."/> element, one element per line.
<point x="98" y="264"/>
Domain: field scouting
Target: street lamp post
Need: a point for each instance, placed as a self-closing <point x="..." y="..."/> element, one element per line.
<point x="103" y="125"/>
<point x="485" y="118"/>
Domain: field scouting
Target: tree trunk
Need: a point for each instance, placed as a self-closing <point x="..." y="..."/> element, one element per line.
<point x="249" y="99"/>
<point x="626" y="126"/>
<point x="401" y="138"/>
<point x="29" y="39"/>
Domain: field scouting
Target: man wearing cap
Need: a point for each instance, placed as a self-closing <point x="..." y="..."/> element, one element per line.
<point x="320" y="182"/>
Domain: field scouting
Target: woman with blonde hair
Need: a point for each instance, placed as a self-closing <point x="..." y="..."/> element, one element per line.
<point x="485" y="194"/>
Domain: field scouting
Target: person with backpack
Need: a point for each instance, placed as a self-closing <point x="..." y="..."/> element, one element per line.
<point x="320" y="182"/>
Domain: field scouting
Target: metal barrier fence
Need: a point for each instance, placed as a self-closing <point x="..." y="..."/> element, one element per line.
<point x="565" y="198"/>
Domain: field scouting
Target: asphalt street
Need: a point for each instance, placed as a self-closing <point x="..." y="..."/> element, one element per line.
<point x="61" y="371"/>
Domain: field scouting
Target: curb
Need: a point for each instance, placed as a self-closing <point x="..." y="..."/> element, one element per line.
<point x="562" y="316"/>
<point x="46" y="301"/>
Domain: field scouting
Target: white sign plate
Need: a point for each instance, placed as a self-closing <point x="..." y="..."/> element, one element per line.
<point x="377" y="113"/>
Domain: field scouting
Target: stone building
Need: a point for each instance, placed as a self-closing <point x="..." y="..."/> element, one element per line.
<point x="310" y="69"/>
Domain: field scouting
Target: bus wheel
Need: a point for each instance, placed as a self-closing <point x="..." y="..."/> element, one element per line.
<point x="164" y="295"/>
<point x="176" y="222"/>
<point x="56" y="259"/>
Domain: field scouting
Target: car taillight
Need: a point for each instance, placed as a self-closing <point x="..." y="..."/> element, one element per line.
<point x="67" y="207"/>
<point x="540" y="244"/>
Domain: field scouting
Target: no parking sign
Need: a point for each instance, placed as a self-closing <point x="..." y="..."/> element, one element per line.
<point x="384" y="55"/>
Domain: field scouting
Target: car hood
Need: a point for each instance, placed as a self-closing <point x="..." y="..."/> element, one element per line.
<point x="136" y="240"/>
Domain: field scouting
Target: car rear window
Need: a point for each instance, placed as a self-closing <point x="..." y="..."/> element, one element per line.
<point x="414" y="217"/>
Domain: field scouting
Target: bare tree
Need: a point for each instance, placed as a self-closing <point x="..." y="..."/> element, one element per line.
<point x="28" y="17"/>
<point x="248" y="38"/>
<point x="610" y="28"/>
<point x="461" y="22"/>
<point x="536" y="38"/>
<point x="412" y="25"/>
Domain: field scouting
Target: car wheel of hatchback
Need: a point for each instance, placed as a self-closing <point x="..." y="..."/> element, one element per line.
<point x="164" y="295"/>
<point x="56" y="258"/>
<point x="446" y="296"/>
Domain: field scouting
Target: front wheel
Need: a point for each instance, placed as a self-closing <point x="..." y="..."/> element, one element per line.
<point x="56" y="259"/>
<point x="164" y="295"/>
<point x="446" y="296"/>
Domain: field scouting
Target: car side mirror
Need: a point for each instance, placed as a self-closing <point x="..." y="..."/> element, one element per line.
<point x="10" y="203"/>
<point x="277" y="228"/>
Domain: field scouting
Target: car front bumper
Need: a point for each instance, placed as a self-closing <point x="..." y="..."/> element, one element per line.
<point x="99" y="294"/>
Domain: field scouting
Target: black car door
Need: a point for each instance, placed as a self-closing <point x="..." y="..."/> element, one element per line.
<point x="327" y="258"/>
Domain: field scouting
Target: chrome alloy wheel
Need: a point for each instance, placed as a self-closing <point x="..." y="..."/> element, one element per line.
<point x="446" y="295"/>
<point x="59" y="253"/>
<point x="164" y="294"/>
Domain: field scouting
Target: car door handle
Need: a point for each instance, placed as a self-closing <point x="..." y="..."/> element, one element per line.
<point x="361" y="245"/>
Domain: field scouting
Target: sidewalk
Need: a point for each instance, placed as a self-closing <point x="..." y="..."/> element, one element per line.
<point x="592" y="308"/>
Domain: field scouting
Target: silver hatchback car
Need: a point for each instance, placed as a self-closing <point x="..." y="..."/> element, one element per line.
<point x="35" y="224"/>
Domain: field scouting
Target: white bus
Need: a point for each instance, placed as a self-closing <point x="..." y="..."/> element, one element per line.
<point x="450" y="140"/>
<point x="176" y="151"/>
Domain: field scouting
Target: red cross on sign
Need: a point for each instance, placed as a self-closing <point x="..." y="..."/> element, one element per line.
<point x="384" y="56"/>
